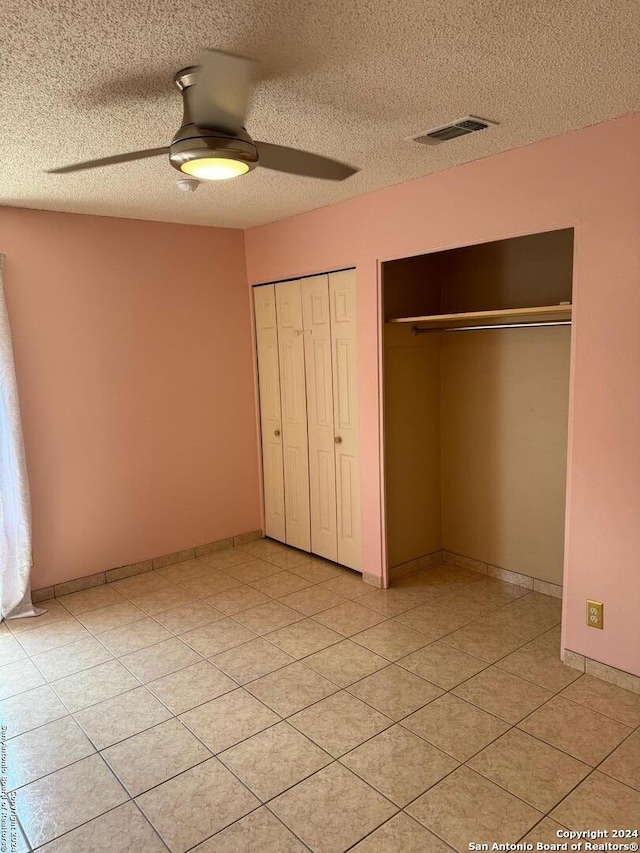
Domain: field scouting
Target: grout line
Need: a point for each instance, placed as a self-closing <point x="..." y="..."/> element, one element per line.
<point x="288" y="829"/>
<point x="338" y="758"/>
<point x="154" y="830"/>
<point x="517" y="796"/>
<point x="592" y="769"/>
<point x="371" y="784"/>
<point x="442" y="749"/>
<point x="44" y="628"/>
<point x="609" y="754"/>
<point x="243" y="686"/>
<point x="168" y="778"/>
<point x="64" y="766"/>
<point x="100" y="701"/>
<point x="542" y="819"/>
<point x="77" y="672"/>
<point x="331" y="761"/>
<point x="376" y="828"/>
<point x="164" y="675"/>
<point x="588" y="707"/>
<point x="268" y="806"/>
<point x="130" y="800"/>
<point x="215" y="754"/>
<point x="41" y="725"/>
<point x="271" y="672"/>
<point x="432" y="830"/>
<point x="21" y="828"/>
<point x="584" y="707"/>
<point x="341" y="639"/>
<point x="11" y="632"/>
<point x="393" y="722"/>
<point x="231" y="617"/>
<point x="84" y="823"/>
<point x="68" y="831"/>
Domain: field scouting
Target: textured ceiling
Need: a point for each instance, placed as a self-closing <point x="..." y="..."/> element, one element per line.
<point x="88" y="78"/>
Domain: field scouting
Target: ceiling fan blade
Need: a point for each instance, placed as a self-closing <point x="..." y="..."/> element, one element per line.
<point x="109" y="161"/>
<point x="220" y="97"/>
<point x="302" y="163"/>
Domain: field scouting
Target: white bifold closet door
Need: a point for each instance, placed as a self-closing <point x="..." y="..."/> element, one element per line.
<point x="310" y="443"/>
<point x="320" y="416"/>
<point x="294" y="415"/>
<point x="342" y="296"/>
<point x="270" y="417"/>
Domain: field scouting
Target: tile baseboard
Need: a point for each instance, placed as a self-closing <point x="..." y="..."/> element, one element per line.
<point x="573" y="659"/>
<point x="214" y="547"/>
<point x="603" y="671"/>
<point x="46" y="593"/>
<point x="466" y="562"/>
<point x="120" y="572"/>
<point x="78" y="584"/>
<point x="506" y="575"/>
<point x="175" y="557"/>
<point x="547" y="588"/>
<point x="617" y="677"/>
<point x="129" y="571"/>
<point x="372" y="580"/>
<point x="435" y="558"/>
<point x="245" y="538"/>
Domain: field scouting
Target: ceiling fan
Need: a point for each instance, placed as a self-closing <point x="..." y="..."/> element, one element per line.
<point x="212" y="143"/>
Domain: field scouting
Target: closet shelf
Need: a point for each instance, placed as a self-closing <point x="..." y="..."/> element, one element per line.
<point x="515" y="315"/>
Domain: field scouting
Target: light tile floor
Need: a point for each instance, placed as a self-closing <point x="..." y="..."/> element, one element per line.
<point x="265" y="701"/>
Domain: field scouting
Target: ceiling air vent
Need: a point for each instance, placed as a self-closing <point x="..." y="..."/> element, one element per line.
<point x="460" y="127"/>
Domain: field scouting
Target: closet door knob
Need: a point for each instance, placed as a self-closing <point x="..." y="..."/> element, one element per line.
<point x="338" y="439"/>
<point x="276" y="432"/>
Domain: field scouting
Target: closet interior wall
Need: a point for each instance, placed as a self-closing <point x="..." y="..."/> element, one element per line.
<point x="476" y="422"/>
<point x="412" y="413"/>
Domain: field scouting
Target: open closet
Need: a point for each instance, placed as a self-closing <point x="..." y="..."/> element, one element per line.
<point x="476" y="394"/>
<point x="307" y="372"/>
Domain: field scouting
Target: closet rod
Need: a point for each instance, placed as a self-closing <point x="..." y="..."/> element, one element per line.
<point x="416" y="330"/>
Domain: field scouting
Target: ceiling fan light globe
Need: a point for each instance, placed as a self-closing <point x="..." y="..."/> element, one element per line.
<point x="214" y="168"/>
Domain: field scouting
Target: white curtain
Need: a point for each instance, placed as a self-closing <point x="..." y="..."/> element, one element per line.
<point x="15" y="512"/>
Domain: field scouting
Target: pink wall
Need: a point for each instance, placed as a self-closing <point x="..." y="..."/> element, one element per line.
<point x="589" y="180"/>
<point x="135" y="373"/>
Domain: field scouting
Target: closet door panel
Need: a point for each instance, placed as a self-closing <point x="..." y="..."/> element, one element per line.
<point x="294" y="414"/>
<point x="320" y="416"/>
<point x="270" y="419"/>
<point x="342" y="295"/>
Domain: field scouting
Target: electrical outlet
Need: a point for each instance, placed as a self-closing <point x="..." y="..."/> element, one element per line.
<point x="595" y="614"/>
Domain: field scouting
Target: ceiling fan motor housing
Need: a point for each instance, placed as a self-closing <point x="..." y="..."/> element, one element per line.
<point x="193" y="143"/>
<point x="212" y="143"/>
